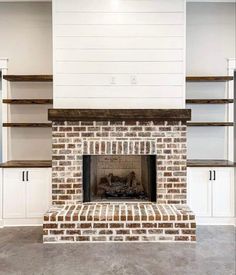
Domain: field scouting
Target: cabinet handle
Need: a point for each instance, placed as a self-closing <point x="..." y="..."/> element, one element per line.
<point x="23" y="176"/>
<point x="210" y="175"/>
<point x="214" y="173"/>
<point x="27" y="175"/>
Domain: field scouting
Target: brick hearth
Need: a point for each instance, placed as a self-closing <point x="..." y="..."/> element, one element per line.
<point x="119" y="222"/>
<point x="141" y="132"/>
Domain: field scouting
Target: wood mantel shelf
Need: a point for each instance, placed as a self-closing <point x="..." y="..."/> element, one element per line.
<point x="208" y="78"/>
<point x="28" y="125"/>
<point x="209" y="101"/>
<point x="119" y="114"/>
<point x="27" y="164"/>
<point x="28" y="101"/>
<point x="205" y="124"/>
<point x="209" y="163"/>
<point x="28" y="78"/>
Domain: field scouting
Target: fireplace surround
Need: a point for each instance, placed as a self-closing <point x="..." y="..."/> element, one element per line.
<point x="78" y="136"/>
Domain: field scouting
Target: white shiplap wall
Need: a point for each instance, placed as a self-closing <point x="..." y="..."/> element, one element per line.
<point x="119" y="53"/>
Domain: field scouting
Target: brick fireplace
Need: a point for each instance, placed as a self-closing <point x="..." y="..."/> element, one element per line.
<point x="133" y="203"/>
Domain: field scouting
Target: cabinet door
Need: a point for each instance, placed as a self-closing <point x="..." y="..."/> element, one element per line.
<point x="199" y="191"/>
<point x="1" y="194"/>
<point x="38" y="192"/>
<point x="13" y="193"/>
<point x="223" y="193"/>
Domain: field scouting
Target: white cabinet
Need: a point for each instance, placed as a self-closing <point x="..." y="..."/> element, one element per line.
<point x="1" y="194"/>
<point x="37" y="192"/>
<point x="14" y="193"/>
<point x="26" y="192"/>
<point x="199" y="191"/>
<point x="223" y="193"/>
<point x="211" y="191"/>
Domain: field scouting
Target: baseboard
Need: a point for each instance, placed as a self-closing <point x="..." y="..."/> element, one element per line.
<point x="215" y="221"/>
<point x="23" y="222"/>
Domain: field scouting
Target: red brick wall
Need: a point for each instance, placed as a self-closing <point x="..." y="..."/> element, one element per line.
<point x="72" y="140"/>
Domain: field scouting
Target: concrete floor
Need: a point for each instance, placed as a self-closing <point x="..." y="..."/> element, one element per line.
<point x="22" y="252"/>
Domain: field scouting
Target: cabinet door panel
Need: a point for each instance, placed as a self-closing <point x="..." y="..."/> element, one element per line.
<point x="13" y="194"/>
<point x="37" y="192"/>
<point x="223" y="193"/>
<point x="199" y="191"/>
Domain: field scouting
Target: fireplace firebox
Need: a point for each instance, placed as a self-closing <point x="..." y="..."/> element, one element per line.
<point x="119" y="177"/>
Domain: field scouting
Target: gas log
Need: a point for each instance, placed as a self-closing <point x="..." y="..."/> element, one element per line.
<point x="115" y="186"/>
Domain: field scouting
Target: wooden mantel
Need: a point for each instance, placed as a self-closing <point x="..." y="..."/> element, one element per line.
<point x="119" y="114"/>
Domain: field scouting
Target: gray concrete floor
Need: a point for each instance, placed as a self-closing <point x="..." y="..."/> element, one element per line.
<point x="22" y="252"/>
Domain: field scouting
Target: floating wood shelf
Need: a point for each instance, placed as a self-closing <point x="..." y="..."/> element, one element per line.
<point x="209" y="101"/>
<point x="208" y="78"/>
<point x="209" y="163"/>
<point x="28" y="78"/>
<point x="28" y="125"/>
<point x="49" y="78"/>
<point x="27" y="164"/>
<point x="199" y="124"/>
<point x="28" y="101"/>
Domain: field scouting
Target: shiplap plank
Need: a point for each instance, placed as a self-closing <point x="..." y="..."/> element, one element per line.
<point x="119" y="30"/>
<point x="118" y="55"/>
<point x="119" y="5"/>
<point x="118" y="18"/>
<point x="118" y="79"/>
<point x="119" y="67"/>
<point x="119" y="103"/>
<point x="119" y="91"/>
<point x="119" y="42"/>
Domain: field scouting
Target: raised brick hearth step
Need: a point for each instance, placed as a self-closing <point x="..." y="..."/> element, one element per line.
<point x="101" y="222"/>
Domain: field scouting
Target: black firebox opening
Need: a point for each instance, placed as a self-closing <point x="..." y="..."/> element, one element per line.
<point x="119" y="177"/>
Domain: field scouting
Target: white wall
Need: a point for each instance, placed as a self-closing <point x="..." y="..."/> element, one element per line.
<point x="26" y="37"/>
<point x="210" y="37"/>
<point x="211" y="32"/>
<point x="235" y="143"/>
<point x="0" y="118"/>
<point x="26" y="40"/>
<point x="119" y="54"/>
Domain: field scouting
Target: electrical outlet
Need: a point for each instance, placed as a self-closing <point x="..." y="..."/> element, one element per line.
<point x="133" y="80"/>
<point x="113" y="80"/>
